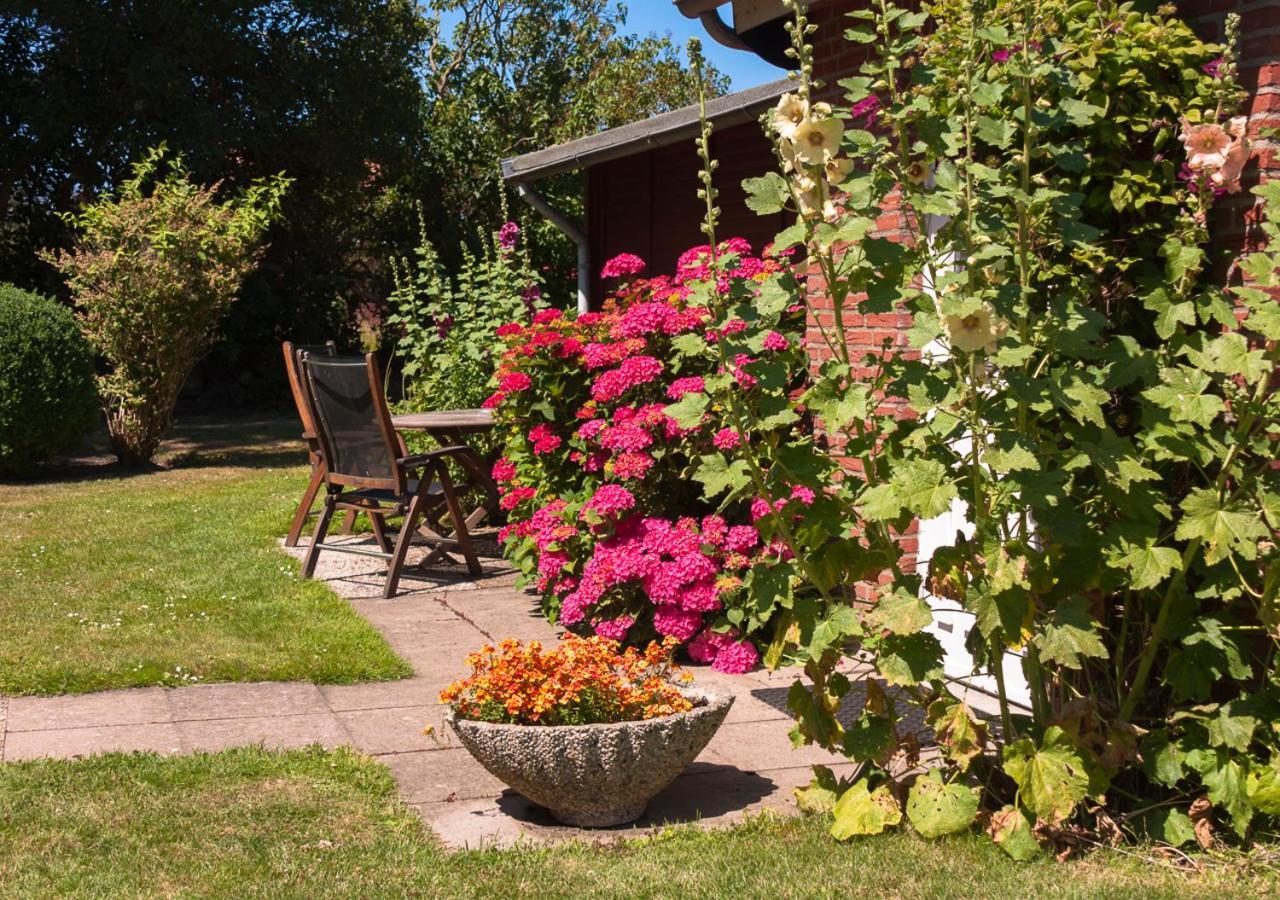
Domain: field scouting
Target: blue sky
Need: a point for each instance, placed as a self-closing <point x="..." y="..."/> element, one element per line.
<point x="661" y="17"/>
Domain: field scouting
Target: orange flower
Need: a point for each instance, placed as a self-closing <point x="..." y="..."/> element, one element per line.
<point x="583" y="681"/>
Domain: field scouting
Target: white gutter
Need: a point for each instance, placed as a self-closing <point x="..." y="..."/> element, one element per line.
<point x="575" y="233"/>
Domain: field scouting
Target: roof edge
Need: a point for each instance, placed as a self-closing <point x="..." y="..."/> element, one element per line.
<point x="657" y="131"/>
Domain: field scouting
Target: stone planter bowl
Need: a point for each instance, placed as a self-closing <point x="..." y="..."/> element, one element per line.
<point x="595" y="775"/>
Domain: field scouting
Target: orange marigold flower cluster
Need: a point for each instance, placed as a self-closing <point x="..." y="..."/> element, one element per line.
<point x="583" y="681"/>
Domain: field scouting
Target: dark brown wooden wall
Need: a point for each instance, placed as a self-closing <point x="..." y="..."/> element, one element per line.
<point x="647" y="203"/>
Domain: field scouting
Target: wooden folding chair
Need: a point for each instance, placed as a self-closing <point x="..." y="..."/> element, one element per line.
<point x="366" y="469"/>
<point x="306" y="506"/>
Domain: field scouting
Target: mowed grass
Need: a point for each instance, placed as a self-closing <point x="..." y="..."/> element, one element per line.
<point x="170" y="576"/>
<point x="309" y="823"/>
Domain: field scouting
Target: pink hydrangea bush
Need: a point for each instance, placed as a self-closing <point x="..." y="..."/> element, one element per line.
<point x="604" y="518"/>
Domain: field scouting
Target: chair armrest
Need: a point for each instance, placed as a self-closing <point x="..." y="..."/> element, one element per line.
<point x="418" y="460"/>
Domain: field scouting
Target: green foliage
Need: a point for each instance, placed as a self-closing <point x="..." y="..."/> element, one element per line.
<point x="447" y="326"/>
<point x="153" y="271"/>
<point x="1094" y="405"/>
<point x="48" y="401"/>
<point x="369" y="104"/>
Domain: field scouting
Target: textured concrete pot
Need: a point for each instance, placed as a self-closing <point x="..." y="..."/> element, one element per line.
<point x="595" y="775"/>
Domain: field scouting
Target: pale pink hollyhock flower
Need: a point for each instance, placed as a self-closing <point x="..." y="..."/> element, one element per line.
<point x="1228" y="176"/>
<point x="1206" y="145"/>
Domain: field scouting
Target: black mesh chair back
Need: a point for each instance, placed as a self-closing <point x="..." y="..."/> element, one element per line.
<point x="352" y="421"/>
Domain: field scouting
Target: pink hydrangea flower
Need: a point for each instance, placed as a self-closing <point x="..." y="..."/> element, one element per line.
<point x="776" y="341"/>
<point x="680" y="624"/>
<point x="632" y="466"/>
<point x="615" y="629"/>
<point x="503" y="470"/>
<point x="714" y="529"/>
<point x="514" y="497"/>
<point x="513" y="382"/>
<point x="509" y="329"/>
<point x="610" y="499"/>
<point x="741" y="538"/>
<point x="704" y="647"/>
<point x="546" y="316"/>
<point x="802" y="495"/>
<point x="622" y="266"/>
<point x="544" y="439"/>
<point x="635" y="371"/>
<point x="726" y="439"/>
<point x="736" y="658"/>
<point x="494" y="400"/>
<point x="690" y="384"/>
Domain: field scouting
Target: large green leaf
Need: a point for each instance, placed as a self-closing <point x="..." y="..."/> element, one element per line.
<point x="936" y="808"/>
<point x="1225" y="528"/>
<point x="1071" y="633"/>
<point x="1263" y="788"/>
<point x="767" y="194"/>
<point x="910" y="659"/>
<point x="961" y="736"/>
<point x="902" y="612"/>
<point x="1147" y="564"/>
<point x="1051" y="778"/>
<point x="1011" y="831"/>
<point x="860" y="811"/>
<point x="717" y="475"/>
<point x="688" y="411"/>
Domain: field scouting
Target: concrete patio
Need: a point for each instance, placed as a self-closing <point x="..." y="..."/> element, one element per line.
<point x="748" y="767"/>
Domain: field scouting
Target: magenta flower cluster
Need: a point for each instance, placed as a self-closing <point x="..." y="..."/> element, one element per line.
<point x="617" y="537"/>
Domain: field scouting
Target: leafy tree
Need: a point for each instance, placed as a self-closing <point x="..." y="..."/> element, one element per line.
<point x="324" y="89"/>
<point x="153" y="270"/>
<point x="513" y="76"/>
<point x="370" y="105"/>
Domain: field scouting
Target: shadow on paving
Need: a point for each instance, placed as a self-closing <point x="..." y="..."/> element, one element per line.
<point x="703" y="791"/>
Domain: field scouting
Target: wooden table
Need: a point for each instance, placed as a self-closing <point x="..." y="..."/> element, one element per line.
<point x="450" y="428"/>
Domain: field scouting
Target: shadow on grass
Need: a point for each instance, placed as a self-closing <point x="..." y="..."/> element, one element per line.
<point x="193" y="443"/>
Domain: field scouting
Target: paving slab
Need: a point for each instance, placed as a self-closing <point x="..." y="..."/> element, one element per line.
<point x="399" y="730"/>
<point x="272" y="732"/>
<point x="382" y="694"/>
<point x="139" y="706"/>
<point x="69" y="743"/>
<point x="256" y="700"/>
<point x="754" y="746"/>
<point x="441" y="776"/>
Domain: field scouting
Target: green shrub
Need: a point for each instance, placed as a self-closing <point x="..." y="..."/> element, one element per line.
<point x="47" y="398"/>
<point x="154" y="268"/>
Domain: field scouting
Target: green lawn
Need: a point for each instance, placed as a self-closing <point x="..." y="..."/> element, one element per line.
<point x="110" y="579"/>
<point x="313" y="824"/>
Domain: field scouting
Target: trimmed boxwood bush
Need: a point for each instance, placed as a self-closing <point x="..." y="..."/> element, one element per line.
<point x="48" y="401"/>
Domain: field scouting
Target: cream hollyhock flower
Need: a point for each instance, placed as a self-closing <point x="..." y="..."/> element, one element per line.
<point x="837" y="170"/>
<point x="917" y="172"/>
<point x="818" y="140"/>
<point x="979" y="330"/>
<point x="787" y="151"/>
<point x="1206" y="145"/>
<point x="787" y="115"/>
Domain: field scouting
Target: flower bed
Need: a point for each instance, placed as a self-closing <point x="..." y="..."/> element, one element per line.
<point x="612" y="448"/>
